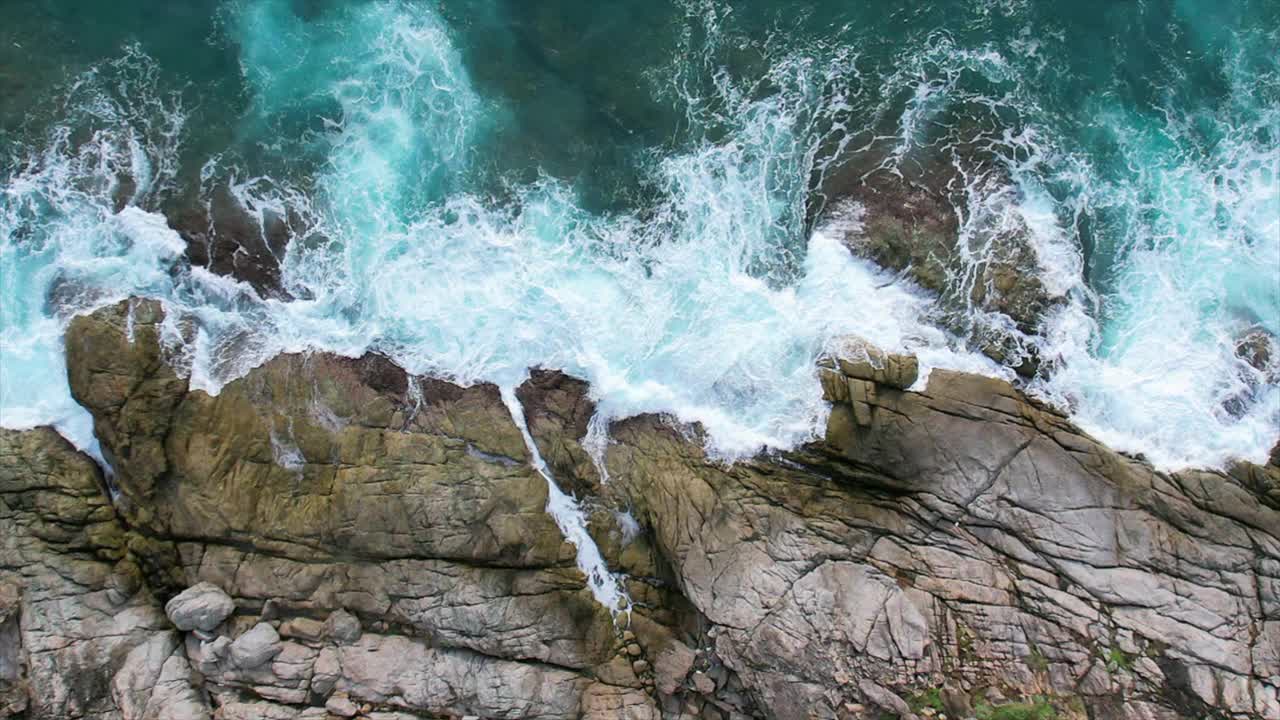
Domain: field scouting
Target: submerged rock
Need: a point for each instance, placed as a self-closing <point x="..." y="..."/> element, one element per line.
<point x="228" y="239"/>
<point x="959" y="547"/>
<point x="981" y="263"/>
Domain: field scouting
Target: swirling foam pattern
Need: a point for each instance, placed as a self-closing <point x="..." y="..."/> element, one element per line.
<point x="626" y="193"/>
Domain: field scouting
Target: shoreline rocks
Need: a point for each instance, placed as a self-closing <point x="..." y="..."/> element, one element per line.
<point x="957" y="546"/>
<point x="228" y="239"/>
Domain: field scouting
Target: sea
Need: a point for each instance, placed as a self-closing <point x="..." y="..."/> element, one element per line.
<point x="641" y="193"/>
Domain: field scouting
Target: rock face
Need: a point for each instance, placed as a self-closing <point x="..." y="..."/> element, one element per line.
<point x="395" y="517"/>
<point x="385" y="552"/>
<point x="964" y="537"/>
<point x="82" y="636"/>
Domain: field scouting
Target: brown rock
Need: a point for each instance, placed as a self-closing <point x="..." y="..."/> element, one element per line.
<point x="118" y="371"/>
<point x="672" y="666"/>
<point x="558" y="410"/>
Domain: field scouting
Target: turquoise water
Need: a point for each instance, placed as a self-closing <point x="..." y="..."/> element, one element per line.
<point x="635" y="192"/>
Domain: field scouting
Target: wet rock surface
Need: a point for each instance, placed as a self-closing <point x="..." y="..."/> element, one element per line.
<point x="386" y="554"/>
<point x="226" y="238"/>
<point x="981" y="263"/>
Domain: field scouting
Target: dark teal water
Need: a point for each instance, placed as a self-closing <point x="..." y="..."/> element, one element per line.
<point x="629" y="190"/>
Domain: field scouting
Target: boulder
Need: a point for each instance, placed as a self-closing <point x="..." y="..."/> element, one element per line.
<point x="202" y="606"/>
<point x="256" y="646"/>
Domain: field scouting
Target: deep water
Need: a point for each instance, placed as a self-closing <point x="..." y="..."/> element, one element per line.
<point x="636" y="192"/>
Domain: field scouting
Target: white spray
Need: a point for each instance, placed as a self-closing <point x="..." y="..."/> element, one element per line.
<point x="605" y="586"/>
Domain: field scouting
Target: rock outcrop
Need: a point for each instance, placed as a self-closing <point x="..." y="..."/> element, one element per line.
<point x="382" y="536"/>
<point x="332" y="537"/>
<point x="227" y="238"/>
<point x="968" y="539"/>
<point x="82" y="636"/>
<point x="977" y="258"/>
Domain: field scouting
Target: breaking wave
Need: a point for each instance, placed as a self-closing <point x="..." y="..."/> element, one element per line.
<point x="710" y="298"/>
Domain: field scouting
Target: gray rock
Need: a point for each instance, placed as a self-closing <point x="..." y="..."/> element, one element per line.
<point x="13" y="696"/>
<point x="76" y="641"/>
<point x="202" y="606"/>
<point x="384" y="669"/>
<point x="255" y="647"/>
<point x="154" y="683"/>
<point x="343" y="627"/>
<point x="219" y="648"/>
<point x="326" y="672"/>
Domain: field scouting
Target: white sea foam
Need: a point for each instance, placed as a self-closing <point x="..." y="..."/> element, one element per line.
<point x="63" y="248"/>
<point x="1162" y="375"/>
<point x="710" y="306"/>
<point x="605" y="586"/>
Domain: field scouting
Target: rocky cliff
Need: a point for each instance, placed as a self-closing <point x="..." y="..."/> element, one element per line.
<point x="331" y="537"/>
